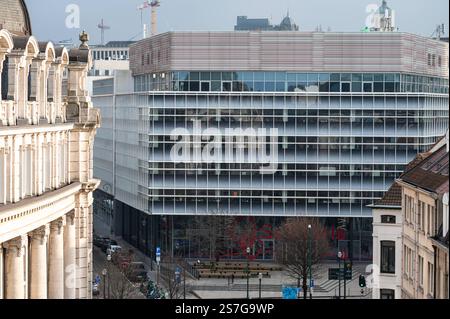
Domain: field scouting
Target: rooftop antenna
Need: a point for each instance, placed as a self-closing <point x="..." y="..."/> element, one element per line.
<point x="141" y="8"/>
<point x="103" y="27"/>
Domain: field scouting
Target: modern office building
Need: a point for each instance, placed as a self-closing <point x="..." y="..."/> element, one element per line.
<point x="47" y="129"/>
<point x="107" y="59"/>
<point x="113" y="50"/>
<point x="347" y="111"/>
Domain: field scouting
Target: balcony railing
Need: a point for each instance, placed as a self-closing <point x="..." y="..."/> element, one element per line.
<point x="9" y="112"/>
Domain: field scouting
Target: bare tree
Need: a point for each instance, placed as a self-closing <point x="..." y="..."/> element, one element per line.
<point x="294" y="240"/>
<point x="172" y="281"/>
<point x="211" y="232"/>
<point x="119" y="286"/>
<point x="119" y="272"/>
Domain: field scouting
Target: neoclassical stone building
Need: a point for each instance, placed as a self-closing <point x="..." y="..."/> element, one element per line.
<point x="47" y="129"/>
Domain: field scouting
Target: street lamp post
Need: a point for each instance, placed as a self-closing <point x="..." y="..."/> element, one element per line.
<point x="248" y="272"/>
<point x="177" y="280"/>
<point x="108" y="258"/>
<point x="310" y="259"/>
<point x="184" y="282"/>
<point x="345" y="279"/>
<point x="104" y="272"/>
<point x="260" y="277"/>
<point x="339" y="259"/>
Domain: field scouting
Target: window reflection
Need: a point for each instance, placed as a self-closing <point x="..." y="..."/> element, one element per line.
<point x="290" y="82"/>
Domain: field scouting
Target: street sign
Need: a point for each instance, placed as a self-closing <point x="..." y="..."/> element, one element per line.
<point x="97" y="279"/>
<point x="335" y="273"/>
<point x="311" y="283"/>
<point x="158" y="255"/>
<point x="178" y="275"/>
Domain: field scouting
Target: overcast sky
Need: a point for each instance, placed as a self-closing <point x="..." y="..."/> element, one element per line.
<point x="49" y="17"/>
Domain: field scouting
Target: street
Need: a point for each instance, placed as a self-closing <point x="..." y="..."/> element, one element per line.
<point x="207" y="288"/>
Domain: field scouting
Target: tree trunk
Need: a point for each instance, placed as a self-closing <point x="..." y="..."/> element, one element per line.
<point x="305" y="288"/>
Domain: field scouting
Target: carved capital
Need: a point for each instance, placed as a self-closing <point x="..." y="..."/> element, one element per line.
<point x="40" y="234"/>
<point x="57" y="225"/>
<point x="70" y="218"/>
<point x="15" y="246"/>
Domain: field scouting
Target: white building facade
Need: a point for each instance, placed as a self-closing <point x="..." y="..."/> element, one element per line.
<point x="387" y="245"/>
<point x="46" y="170"/>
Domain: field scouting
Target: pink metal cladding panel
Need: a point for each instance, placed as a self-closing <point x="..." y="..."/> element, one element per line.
<point x="290" y="51"/>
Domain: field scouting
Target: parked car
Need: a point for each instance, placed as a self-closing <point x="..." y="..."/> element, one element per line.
<point x="137" y="275"/>
<point x="137" y="265"/>
<point x="95" y="290"/>
<point x="99" y="241"/>
<point x="106" y="243"/>
<point x="113" y="249"/>
<point x="121" y="259"/>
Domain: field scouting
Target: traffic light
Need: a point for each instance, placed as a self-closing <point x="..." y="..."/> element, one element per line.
<point x="348" y="265"/>
<point x="362" y="281"/>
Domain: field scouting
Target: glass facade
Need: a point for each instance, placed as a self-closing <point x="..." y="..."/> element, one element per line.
<point x="289" y="82"/>
<point x="342" y="139"/>
<point x="336" y="154"/>
<point x="190" y="236"/>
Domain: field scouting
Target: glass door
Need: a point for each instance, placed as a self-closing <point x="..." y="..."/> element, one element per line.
<point x="268" y="251"/>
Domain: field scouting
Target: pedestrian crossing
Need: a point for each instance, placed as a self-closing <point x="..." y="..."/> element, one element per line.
<point x="243" y="287"/>
<point x="331" y="285"/>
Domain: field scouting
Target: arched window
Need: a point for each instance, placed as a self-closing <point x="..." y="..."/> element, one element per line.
<point x="29" y="83"/>
<point x="5" y="79"/>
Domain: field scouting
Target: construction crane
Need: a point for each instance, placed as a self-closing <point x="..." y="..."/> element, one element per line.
<point x="153" y="5"/>
<point x="103" y="27"/>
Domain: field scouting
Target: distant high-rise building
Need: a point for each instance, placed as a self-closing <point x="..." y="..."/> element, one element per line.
<point x="106" y="60"/>
<point x="245" y="24"/>
<point x="384" y="19"/>
<point x="47" y="129"/>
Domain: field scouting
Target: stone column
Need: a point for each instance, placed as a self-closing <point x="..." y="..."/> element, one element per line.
<point x="15" y="268"/>
<point x="70" y="266"/>
<point x="15" y="168"/>
<point x="38" y="259"/>
<point x="56" y="260"/>
<point x="2" y="271"/>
